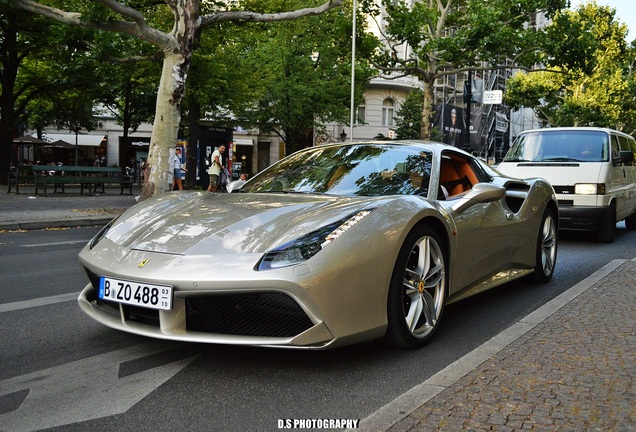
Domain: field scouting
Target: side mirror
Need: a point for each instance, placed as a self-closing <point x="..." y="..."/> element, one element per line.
<point x="624" y="156"/>
<point x="480" y="193"/>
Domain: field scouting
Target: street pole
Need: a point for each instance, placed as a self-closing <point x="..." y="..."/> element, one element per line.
<point x="468" y="99"/>
<point x="76" y="145"/>
<point x="353" y="69"/>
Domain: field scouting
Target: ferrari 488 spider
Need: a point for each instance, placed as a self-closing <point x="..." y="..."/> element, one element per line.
<point x="332" y="245"/>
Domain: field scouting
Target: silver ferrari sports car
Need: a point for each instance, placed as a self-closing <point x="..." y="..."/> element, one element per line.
<point x="332" y="245"/>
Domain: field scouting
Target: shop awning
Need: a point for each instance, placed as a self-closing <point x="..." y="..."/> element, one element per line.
<point x="82" y="139"/>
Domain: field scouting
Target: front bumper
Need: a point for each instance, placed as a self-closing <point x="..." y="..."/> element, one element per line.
<point x="268" y="318"/>
<point x="582" y="218"/>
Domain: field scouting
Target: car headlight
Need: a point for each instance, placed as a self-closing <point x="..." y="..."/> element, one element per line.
<point x="303" y="248"/>
<point x="100" y="235"/>
<point x="589" y="189"/>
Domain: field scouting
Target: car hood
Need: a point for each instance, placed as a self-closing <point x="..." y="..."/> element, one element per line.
<point x="203" y="223"/>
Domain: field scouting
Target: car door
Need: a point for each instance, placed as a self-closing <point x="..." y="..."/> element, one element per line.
<point x="484" y="245"/>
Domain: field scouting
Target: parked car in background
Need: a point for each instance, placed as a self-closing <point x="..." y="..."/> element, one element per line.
<point x="332" y="245"/>
<point x="592" y="171"/>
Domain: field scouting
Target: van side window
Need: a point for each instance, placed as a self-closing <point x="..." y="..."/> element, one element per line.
<point x="625" y="146"/>
<point x="615" y="146"/>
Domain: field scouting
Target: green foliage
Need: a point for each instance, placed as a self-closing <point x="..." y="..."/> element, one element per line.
<point x="409" y="117"/>
<point x="457" y="35"/>
<point x="595" y="90"/>
<point x="298" y="72"/>
<point x="129" y="71"/>
<point x="53" y="72"/>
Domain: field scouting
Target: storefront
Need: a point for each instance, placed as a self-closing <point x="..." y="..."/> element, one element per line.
<point x="70" y="149"/>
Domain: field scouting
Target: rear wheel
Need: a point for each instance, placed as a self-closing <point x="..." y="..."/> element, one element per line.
<point x="418" y="290"/>
<point x="607" y="233"/>
<point x="546" y="248"/>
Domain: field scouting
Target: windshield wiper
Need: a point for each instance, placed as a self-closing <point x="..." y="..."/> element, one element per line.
<point x="559" y="159"/>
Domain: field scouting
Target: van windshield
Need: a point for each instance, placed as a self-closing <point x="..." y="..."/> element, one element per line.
<point x="560" y="146"/>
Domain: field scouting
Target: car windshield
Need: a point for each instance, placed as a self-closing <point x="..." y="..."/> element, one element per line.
<point x="349" y="170"/>
<point x="560" y="146"/>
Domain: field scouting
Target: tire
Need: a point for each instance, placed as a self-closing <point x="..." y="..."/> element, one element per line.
<point x="546" y="252"/>
<point x="418" y="290"/>
<point x="607" y="233"/>
<point x="630" y="222"/>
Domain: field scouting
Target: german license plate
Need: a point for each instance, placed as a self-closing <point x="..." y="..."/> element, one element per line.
<point x="135" y="293"/>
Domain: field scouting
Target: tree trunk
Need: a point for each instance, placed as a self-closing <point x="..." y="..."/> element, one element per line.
<point x="427" y="108"/>
<point x="10" y="64"/>
<point x="166" y="125"/>
<point x="177" y="49"/>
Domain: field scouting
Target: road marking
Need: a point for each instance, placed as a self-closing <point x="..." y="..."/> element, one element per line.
<point x="68" y="242"/>
<point x="83" y="390"/>
<point x="43" y="301"/>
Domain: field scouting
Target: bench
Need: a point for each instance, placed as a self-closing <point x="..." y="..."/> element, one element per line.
<point x="101" y="176"/>
<point x="22" y="175"/>
<point x="87" y="177"/>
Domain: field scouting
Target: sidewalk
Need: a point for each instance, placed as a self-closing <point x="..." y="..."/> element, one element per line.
<point x="568" y="366"/>
<point x="26" y="211"/>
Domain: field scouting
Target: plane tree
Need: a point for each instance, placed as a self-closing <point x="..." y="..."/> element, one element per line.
<point x="601" y="94"/>
<point x="304" y="70"/>
<point x="174" y="39"/>
<point x="46" y="77"/>
<point x="448" y="37"/>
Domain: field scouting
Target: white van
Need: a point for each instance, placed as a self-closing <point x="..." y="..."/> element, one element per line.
<point x="591" y="169"/>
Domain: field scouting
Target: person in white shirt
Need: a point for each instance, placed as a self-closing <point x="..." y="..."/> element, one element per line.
<point x="215" y="168"/>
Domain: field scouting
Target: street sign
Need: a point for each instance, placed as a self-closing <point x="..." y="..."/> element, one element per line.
<point x="493" y="96"/>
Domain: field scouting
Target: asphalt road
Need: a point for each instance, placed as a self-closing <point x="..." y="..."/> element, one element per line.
<point x="66" y="372"/>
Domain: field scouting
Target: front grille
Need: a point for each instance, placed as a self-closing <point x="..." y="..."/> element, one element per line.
<point x="131" y="313"/>
<point x="568" y="190"/>
<point x="270" y="314"/>
<point x="267" y="314"/>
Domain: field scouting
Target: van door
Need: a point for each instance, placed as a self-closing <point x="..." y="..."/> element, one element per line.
<point x="616" y="186"/>
<point x="629" y="172"/>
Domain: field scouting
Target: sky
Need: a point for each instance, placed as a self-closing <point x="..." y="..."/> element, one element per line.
<point x="625" y="12"/>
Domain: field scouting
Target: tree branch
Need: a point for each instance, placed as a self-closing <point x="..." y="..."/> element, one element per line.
<point x="138" y="28"/>
<point x="259" y="17"/>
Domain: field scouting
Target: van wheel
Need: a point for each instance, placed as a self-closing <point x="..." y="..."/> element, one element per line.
<point x="607" y="234"/>
<point x="630" y="222"/>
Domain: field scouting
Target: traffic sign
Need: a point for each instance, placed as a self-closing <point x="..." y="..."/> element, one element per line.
<point x="493" y="96"/>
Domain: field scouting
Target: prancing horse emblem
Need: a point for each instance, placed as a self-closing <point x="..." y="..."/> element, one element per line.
<point x="420" y="286"/>
<point x="143" y="263"/>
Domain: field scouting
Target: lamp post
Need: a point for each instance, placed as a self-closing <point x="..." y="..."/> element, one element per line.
<point x="76" y="145"/>
<point x="353" y="68"/>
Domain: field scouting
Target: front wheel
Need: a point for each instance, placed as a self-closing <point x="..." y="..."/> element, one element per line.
<point x="546" y="252"/>
<point x="418" y="290"/>
<point x="630" y="222"/>
<point x="607" y="234"/>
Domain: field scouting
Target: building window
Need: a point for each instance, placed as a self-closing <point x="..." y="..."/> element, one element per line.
<point x="388" y="112"/>
<point x="361" y="116"/>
